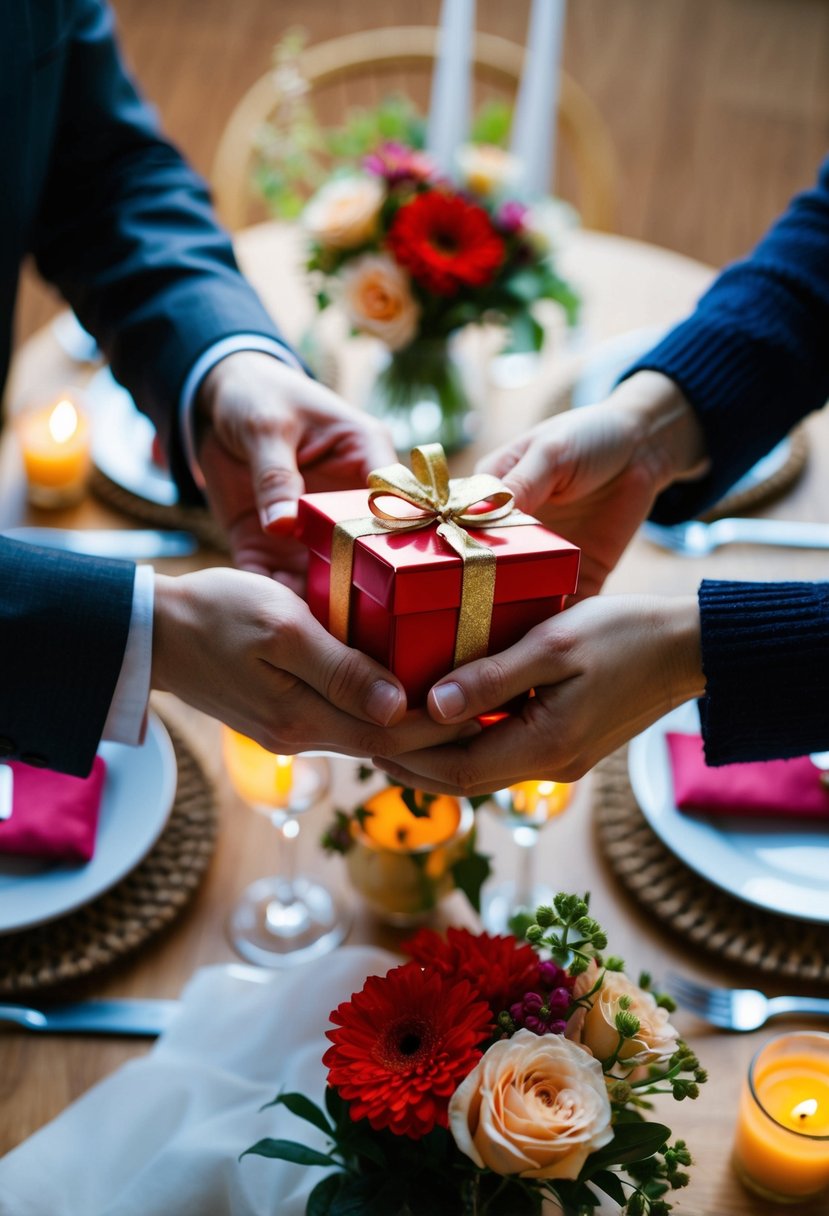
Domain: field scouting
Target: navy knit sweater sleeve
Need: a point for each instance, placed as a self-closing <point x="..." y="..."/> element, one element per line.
<point x="752" y="360"/>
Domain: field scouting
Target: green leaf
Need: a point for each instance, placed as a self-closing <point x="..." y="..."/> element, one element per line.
<point x="492" y="123"/>
<point x="323" y="1195"/>
<point x="524" y="285"/>
<point x="631" y="1142"/>
<point x="611" y="1184"/>
<point x="305" y="1109"/>
<point x="526" y="334"/>
<point x="289" y="1150"/>
<point x="469" y="874"/>
<point x="417" y="803"/>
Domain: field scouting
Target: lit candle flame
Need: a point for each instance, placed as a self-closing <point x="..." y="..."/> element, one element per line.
<point x="805" y="1109"/>
<point x="284" y="775"/>
<point x="545" y="788"/>
<point x="63" y="421"/>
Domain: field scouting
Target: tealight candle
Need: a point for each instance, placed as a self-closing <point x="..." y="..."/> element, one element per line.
<point x="55" y="445"/>
<point x="781" y="1150"/>
<point x="534" y="802"/>
<point x="267" y="780"/>
<point x="401" y="863"/>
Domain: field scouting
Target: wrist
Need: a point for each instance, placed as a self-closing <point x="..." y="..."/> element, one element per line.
<point x="683" y="649"/>
<point x="667" y="431"/>
<point x="169" y="610"/>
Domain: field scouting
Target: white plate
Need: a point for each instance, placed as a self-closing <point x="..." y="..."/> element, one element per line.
<point x="606" y="363"/>
<point x="781" y="867"/>
<point x="122" y="441"/>
<point x="138" y="795"/>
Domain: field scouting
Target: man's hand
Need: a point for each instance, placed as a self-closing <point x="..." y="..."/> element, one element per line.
<point x="592" y="474"/>
<point x="602" y="671"/>
<point x="247" y="651"/>
<point x="266" y="433"/>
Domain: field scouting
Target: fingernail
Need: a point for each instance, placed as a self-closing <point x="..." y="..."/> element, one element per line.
<point x="279" y="516"/>
<point x="449" y="700"/>
<point x="383" y="702"/>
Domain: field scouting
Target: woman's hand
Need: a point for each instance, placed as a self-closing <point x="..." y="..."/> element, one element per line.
<point x="602" y="671"/>
<point x="592" y="474"/>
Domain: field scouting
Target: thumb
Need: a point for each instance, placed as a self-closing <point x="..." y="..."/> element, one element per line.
<point x="486" y="684"/>
<point x="348" y="679"/>
<point x="276" y="480"/>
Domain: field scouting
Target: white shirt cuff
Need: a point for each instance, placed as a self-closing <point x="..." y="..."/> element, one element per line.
<point x="213" y="355"/>
<point x="127" y="715"/>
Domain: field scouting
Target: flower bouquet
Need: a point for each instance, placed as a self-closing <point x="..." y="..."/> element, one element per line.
<point x="491" y="1077"/>
<point x="410" y="255"/>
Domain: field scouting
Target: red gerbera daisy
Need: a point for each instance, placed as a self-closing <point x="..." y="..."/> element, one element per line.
<point x="404" y="1044"/>
<point x="445" y="242"/>
<point x="500" y="969"/>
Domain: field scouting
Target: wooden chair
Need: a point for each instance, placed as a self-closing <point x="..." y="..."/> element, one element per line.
<point x="382" y="52"/>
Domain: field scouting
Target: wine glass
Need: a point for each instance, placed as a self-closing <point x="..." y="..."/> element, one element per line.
<point x="287" y="918"/>
<point x="525" y="808"/>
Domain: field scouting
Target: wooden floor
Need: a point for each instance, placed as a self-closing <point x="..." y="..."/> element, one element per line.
<point x="718" y="109"/>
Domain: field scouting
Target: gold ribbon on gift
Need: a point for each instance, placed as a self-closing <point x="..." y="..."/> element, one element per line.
<point x="436" y="498"/>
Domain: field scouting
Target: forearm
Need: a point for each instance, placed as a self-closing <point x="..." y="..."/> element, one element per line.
<point x="668" y="436"/>
<point x="751" y="359"/>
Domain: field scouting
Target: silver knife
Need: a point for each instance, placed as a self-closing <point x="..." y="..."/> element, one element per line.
<point x="110" y="542"/>
<point x="128" y="1016"/>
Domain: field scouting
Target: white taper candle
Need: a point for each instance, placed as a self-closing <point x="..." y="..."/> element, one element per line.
<point x="533" y="136"/>
<point x="451" y="83"/>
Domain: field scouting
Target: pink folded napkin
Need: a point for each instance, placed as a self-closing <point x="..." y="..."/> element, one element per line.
<point x="53" y="816"/>
<point x="790" y="788"/>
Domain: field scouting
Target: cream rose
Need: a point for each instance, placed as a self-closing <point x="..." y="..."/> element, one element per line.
<point x="656" y="1039"/>
<point x="377" y="298"/>
<point x="486" y="168"/>
<point x="345" y="212"/>
<point x="534" y="1105"/>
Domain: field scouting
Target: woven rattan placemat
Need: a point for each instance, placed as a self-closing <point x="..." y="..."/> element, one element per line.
<point x="685" y="903"/>
<point x="134" y="910"/>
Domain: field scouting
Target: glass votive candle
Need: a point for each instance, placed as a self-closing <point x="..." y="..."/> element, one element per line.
<point x="781" y="1149"/>
<point x="55" y="444"/>
<point x="400" y="863"/>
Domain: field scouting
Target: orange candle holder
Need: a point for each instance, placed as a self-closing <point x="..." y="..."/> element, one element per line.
<point x="55" y="444"/>
<point x="400" y="863"/>
<point x="781" y="1147"/>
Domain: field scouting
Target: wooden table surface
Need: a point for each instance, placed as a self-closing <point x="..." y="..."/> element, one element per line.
<point x="626" y="285"/>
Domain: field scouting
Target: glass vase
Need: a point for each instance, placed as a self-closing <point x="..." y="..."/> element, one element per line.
<point x="421" y="394"/>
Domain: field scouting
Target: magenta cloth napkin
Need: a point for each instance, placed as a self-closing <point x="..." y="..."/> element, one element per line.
<point x="786" y="788"/>
<point x="53" y="816"/>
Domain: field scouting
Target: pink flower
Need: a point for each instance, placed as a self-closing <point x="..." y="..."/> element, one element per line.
<point x="397" y="164"/>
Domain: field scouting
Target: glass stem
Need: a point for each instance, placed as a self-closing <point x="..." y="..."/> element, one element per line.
<point x="525" y="839"/>
<point x="288" y="829"/>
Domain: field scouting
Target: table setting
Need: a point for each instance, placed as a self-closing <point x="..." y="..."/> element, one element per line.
<point x="198" y="941"/>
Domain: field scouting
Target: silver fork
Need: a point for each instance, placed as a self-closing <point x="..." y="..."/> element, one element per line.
<point x="696" y="539"/>
<point x="740" y="1008"/>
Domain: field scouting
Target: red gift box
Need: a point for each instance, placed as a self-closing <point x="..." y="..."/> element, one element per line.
<point x="406" y="586"/>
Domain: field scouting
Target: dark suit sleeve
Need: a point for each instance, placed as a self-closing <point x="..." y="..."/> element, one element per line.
<point x="64" y="621"/>
<point x="753" y="359"/>
<point x="126" y="231"/>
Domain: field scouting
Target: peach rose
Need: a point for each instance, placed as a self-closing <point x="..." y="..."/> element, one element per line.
<point x="377" y="299"/>
<point x="345" y="212"/>
<point x="595" y="1027"/>
<point x="487" y="169"/>
<point x="534" y="1105"/>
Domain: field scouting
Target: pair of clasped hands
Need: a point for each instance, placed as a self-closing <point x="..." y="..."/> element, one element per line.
<point x="243" y="646"/>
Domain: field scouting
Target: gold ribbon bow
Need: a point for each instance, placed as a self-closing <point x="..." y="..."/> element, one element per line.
<point x="449" y="502"/>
